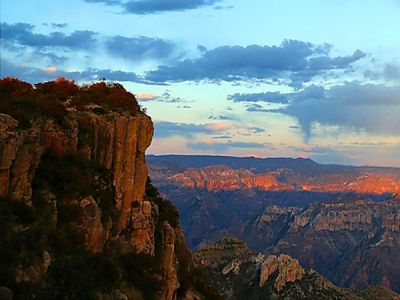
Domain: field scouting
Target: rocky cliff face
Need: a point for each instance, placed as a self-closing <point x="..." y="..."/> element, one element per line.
<point x="239" y="273"/>
<point x="352" y="242"/>
<point x="114" y="141"/>
<point x="225" y="178"/>
<point x="76" y="200"/>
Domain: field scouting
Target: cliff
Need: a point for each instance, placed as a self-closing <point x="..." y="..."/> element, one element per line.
<point x="351" y="241"/>
<point x="225" y="178"/>
<point x="76" y="200"/>
<point x="239" y="273"/>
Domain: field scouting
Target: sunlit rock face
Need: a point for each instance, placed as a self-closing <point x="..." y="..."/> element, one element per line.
<point x="76" y="198"/>
<point x="240" y="273"/>
<point x="115" y="141"/>
<point x="226" y="178"/>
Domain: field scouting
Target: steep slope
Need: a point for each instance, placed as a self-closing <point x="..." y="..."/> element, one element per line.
<point x="78" y="220"/>
<point x="215" y="198"/>
<point x="352" y="242"/>
<point x="239" y="273"/>
<point x="327" y="218"/>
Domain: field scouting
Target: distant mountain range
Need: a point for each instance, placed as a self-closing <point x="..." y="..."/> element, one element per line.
<point x="230" y="173"/>
<point x="259" y="165"/>
<point x="342" y="221"/>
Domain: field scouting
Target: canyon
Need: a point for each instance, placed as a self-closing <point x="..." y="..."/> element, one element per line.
<point x="84" y="213"/>
<point x="342" y="221"/>
<point x="240" y="273"/>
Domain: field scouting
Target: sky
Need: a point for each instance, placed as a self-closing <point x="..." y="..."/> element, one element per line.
<point x="265" y="78"/>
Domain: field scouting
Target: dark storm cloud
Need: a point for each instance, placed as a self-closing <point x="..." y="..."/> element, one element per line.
<point x="145" y="7"/>
<point x="295" y="61"/>
<point x="22" y="34"/>
<point x="361" y="107"/>
<point x="140" y="48"/>
<point x="35" y="75"/>
<point x="201" y="146"/>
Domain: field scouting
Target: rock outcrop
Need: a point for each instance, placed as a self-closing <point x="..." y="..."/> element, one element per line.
<point x="239" y="273"/>
<point x="76" y="201"/>
<point x="350" y="241"/>
<point x="115" y="141"/>
<point x="289" y="270"/>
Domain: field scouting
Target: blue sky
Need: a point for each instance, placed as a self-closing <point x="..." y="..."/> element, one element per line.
<point x="309" y="78"/>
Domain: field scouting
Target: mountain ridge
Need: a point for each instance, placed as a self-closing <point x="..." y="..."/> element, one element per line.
<point x="198" y="161"/>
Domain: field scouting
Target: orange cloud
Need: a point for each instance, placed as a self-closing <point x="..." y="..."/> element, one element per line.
<point x="221" y="126"/>
<point x="146" y="96"/>
<point x="51" y="69"/>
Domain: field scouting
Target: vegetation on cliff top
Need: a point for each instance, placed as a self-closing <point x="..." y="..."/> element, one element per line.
<point x="54" y="98"/>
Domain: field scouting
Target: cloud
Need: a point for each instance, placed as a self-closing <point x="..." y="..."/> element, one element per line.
<point x="391" y="71"/>
<point x="166" y="97"/>
<point x="59" y="25"/>
<point x="145" y="97"/>
<point x="140" y="48"/>
<point x="254" y="107"/>
<point x="218" y="147"/>
<point x="340" y="62"/>
<point x="22" y="34"/>
<point x="271" y="97"/>
<point x="295" y="61"/>
<point x="57" y="46"/>
<point x="145" y="7"/>
<point x="222" y="137"/>
<point x="221" y="117"/>
<point x="362" y="107"/>
<point x="35" y="75"/>
<point x="164" y="129"/>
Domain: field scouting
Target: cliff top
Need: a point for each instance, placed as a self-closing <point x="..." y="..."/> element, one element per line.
<point x="54" y="99"/>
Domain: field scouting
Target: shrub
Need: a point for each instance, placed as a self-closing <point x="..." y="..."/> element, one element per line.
<point x="166" y="210"/>
<point x="50" y="99"/>
<point x="143" y="271"/>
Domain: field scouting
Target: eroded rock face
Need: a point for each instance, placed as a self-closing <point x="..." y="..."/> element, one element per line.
<point x="227" y="178"/>
<point x="116" y="141"/>
<point x="289" y="270"/>
<point x="217" y="178"/>
<point x="350" y="242"/>
<point x="239" y="273"/>
<point x="168" y="261"/>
